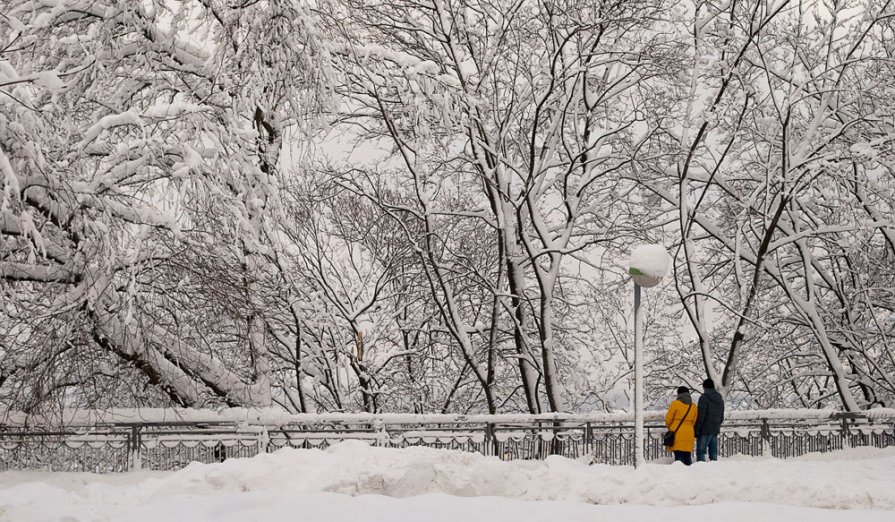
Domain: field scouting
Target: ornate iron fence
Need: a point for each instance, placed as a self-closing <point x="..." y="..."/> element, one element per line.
<point x="116" y="444"/>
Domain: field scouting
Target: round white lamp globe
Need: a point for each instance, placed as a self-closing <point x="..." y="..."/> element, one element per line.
<point x="649" y="264"/>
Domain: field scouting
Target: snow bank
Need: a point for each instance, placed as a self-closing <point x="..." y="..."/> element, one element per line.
<point x="351" y="481"/>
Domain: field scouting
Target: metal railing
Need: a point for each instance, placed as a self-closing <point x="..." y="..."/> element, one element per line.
<point x="118" y="444"/>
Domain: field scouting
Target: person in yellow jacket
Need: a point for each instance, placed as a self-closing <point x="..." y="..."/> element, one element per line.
<point x="682" y="412"/>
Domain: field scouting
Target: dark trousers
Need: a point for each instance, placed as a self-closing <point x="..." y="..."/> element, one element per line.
<point x="684" y="456"/>
<point x="706" y="442"/>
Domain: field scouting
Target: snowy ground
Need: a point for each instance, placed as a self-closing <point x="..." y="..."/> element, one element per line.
<point x="351" y="481"/>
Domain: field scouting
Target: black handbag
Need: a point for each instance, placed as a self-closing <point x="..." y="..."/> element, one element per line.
<point x="668" y="439"/>
<point x="668" y="436"/>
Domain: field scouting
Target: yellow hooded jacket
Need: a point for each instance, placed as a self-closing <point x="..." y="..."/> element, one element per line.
<point x="684" y="438"/>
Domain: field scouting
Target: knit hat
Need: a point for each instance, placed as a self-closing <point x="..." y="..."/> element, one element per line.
<point x="683" y="389"/>
<point x="708" y="383"/>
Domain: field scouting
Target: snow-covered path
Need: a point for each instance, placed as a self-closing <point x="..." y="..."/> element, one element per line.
<point x="351" y="481"/>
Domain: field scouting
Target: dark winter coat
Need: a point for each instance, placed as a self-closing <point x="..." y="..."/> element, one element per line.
<point x="710" y="413"/>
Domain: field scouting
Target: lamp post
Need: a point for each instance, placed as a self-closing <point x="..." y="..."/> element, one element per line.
<point x="648" y="265"/>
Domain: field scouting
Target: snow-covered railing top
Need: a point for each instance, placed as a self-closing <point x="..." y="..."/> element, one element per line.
<point x="273" y="417"/>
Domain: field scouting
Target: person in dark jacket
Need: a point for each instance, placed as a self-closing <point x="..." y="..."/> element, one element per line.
<point x="710" y="415"/>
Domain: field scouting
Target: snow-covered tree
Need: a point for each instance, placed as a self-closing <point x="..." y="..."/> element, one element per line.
<point x="782" y="192"/>
<point x="532" y="108"/>
<point x="140" y="143"/>
<point x="165" y="237"/>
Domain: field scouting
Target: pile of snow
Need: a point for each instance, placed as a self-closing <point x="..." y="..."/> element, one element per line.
<point x="352" y="481"/>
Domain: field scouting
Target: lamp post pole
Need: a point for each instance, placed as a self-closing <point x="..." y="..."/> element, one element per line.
<point x="648" y="265"/>
<point x="638" y="381"/>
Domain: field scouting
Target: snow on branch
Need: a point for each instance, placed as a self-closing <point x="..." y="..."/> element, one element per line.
<point x="28" y="272"/>
<point x="109" y="122"/>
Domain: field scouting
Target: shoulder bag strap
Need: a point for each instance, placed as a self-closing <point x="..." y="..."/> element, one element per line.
<point x="683" y="418"/>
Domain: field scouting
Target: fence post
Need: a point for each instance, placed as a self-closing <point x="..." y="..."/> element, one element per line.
<point x="556" y="443"/>
<point x="381" y="433"/>
<point x="648" y="444"/>
<point x="766" y="439"/>
<point x="489" y="440"/>
<point x="264" y="441"/>
<point x="135" y="446"/>
<point x="845" y="442"/>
